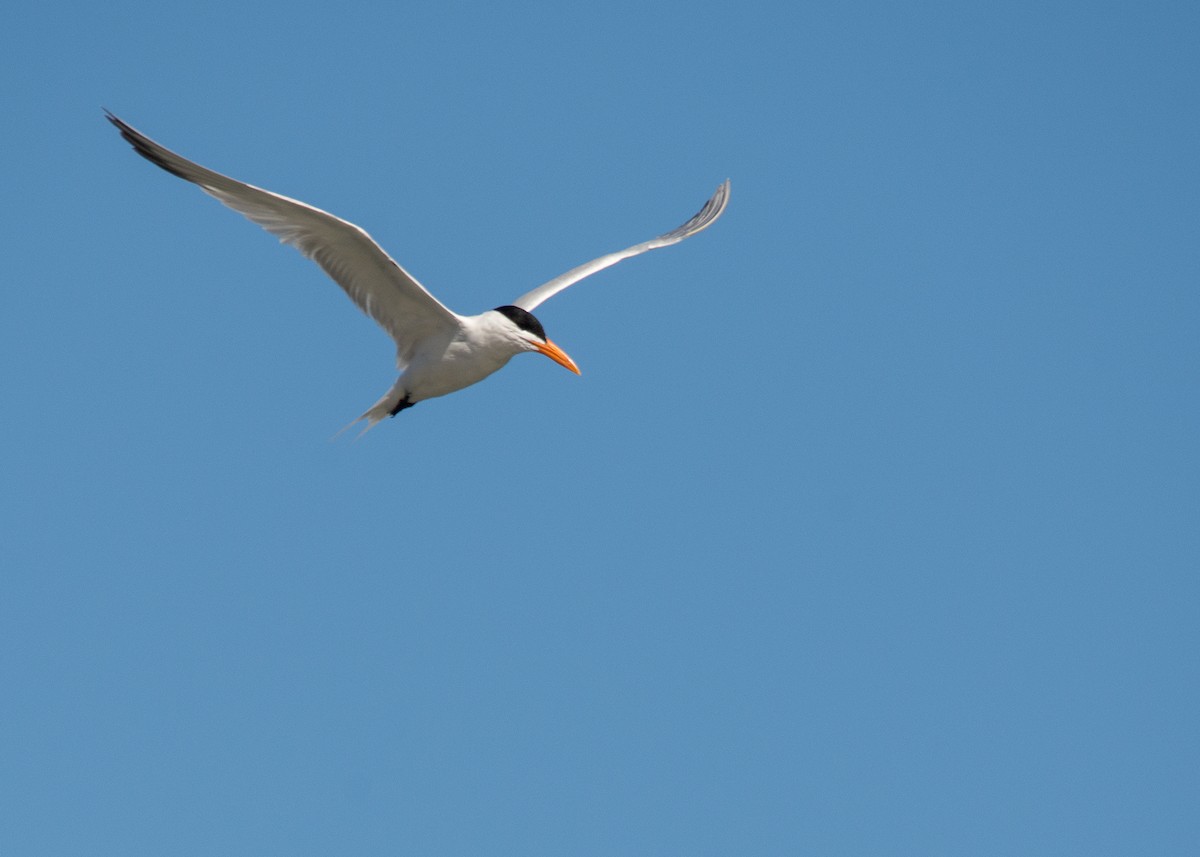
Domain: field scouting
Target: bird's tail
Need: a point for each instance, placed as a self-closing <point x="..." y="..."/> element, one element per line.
<point x="392" y="402"/>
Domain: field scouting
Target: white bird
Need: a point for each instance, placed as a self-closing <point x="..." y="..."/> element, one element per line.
<point x="437" y="351"/>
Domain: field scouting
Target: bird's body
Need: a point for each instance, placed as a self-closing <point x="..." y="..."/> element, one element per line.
<point x="445" y="364"/>
<point x="438" y="351"/>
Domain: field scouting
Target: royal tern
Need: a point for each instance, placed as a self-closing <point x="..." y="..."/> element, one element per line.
<point x="437" y="351"/>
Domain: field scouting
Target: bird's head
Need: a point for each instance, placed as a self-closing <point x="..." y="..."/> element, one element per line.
<point x="529" y="335"/>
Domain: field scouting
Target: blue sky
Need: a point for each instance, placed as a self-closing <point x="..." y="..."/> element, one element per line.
<point x="869" y="528"/>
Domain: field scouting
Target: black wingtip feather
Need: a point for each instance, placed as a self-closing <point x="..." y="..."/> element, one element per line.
<point x="141" y="144"/>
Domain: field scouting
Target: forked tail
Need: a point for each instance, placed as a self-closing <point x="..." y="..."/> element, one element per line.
<point x="393" y="402"/>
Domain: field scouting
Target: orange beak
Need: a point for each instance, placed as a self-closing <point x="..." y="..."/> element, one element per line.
<point x="557" y="355"/>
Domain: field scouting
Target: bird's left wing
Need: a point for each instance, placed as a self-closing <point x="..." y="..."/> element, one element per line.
<point x="372" y="279"/>
<point x="704" y="218"/>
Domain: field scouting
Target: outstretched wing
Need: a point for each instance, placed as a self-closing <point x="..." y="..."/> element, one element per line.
<point x="704" y="218"/>
<point x="381" y="288"/>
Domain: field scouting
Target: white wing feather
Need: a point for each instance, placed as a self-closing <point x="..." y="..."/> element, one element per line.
<point x="704" y="218"/>
<point x="372" y="279"/>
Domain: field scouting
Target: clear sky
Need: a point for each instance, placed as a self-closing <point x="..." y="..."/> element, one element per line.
<point x="872" y="526"/>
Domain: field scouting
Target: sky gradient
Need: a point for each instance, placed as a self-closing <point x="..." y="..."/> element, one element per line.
<point x="870" y="526"/>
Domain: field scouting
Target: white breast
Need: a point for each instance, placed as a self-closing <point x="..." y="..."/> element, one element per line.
<point x="478" y="350"/>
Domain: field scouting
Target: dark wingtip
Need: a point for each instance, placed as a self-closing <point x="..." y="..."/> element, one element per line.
<point x="115" y="120"/>
<point x="142" y="144"/>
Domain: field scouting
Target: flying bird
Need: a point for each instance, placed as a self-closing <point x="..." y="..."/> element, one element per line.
<point x="437" y="351"/>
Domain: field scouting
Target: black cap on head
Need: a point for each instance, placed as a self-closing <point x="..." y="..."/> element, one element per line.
<point x="523" y="319"/>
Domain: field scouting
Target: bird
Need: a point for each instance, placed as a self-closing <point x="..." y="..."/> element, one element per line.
<point x="437" y="351"/>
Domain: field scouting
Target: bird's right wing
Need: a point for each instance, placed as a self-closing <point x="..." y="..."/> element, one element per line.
<point x="704" y="218"/>
<point x="380" y="287"/>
